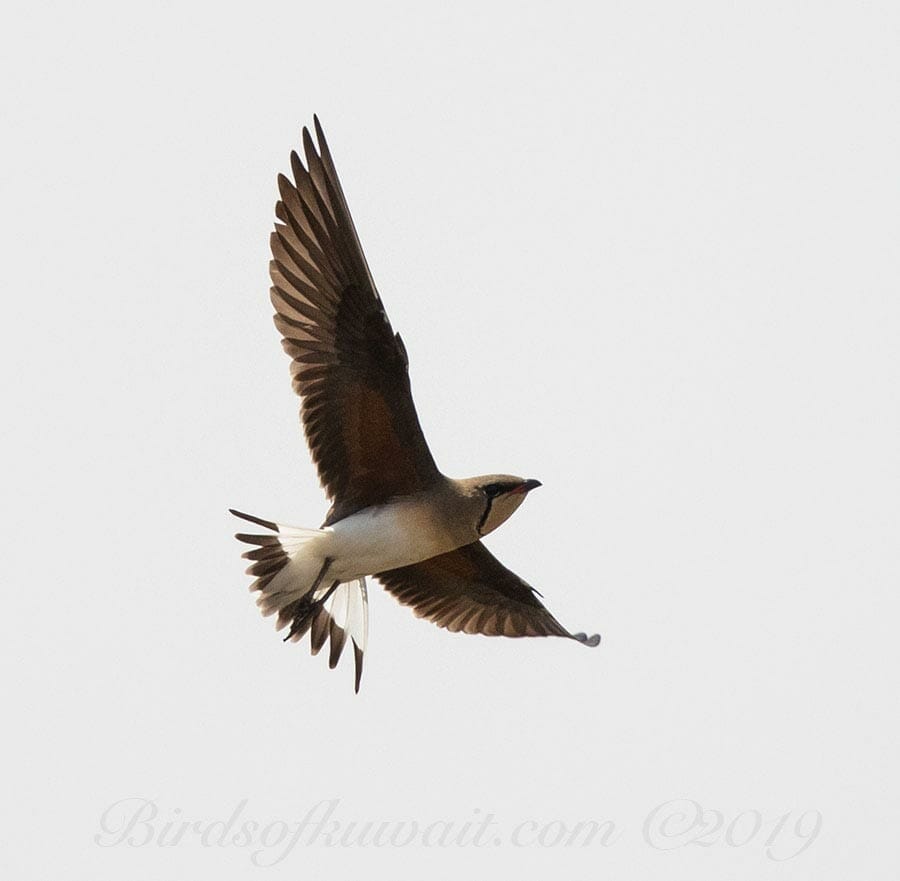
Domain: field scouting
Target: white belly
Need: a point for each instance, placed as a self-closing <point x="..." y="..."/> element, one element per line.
<point x="385" y="537"/>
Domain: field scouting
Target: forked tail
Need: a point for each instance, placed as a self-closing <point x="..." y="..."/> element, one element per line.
<point x="292" y="578"/>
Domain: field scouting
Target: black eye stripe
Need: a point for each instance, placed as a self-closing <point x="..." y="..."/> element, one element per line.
<point x="492" y="490"/>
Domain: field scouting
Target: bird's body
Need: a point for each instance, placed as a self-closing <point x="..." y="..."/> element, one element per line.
<point x="388" y="536"/>
<point x="398" y="533"/>
<point x="394" y="514"/>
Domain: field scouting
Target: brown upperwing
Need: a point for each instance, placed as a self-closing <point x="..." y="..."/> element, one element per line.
<point x="349" y="367"/>
<point x="470" y="590"/>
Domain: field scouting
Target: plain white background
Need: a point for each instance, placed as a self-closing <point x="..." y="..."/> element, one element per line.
<point x="647" y="253"/>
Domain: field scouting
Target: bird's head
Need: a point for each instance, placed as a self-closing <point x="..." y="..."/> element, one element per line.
<point x="501" y="494"/>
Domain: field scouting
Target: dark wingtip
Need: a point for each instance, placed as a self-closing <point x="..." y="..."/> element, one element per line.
<point x="589" y="641"/>
<point x="285" y="186"/>
<point x="298" y="169"/>
<point x="309" y="148"/>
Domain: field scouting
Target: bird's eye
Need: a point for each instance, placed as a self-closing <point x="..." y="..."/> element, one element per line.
<point x="492" y="489"/>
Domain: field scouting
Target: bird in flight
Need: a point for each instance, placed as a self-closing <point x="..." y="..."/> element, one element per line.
<point x="394" y="515"/>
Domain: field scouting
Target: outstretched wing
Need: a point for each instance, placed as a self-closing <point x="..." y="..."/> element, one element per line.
<point x="470" y="590"/>
<point x="349" y="367"/>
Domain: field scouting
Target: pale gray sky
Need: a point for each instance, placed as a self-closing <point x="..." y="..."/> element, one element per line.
<point x="647" y="253"/>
